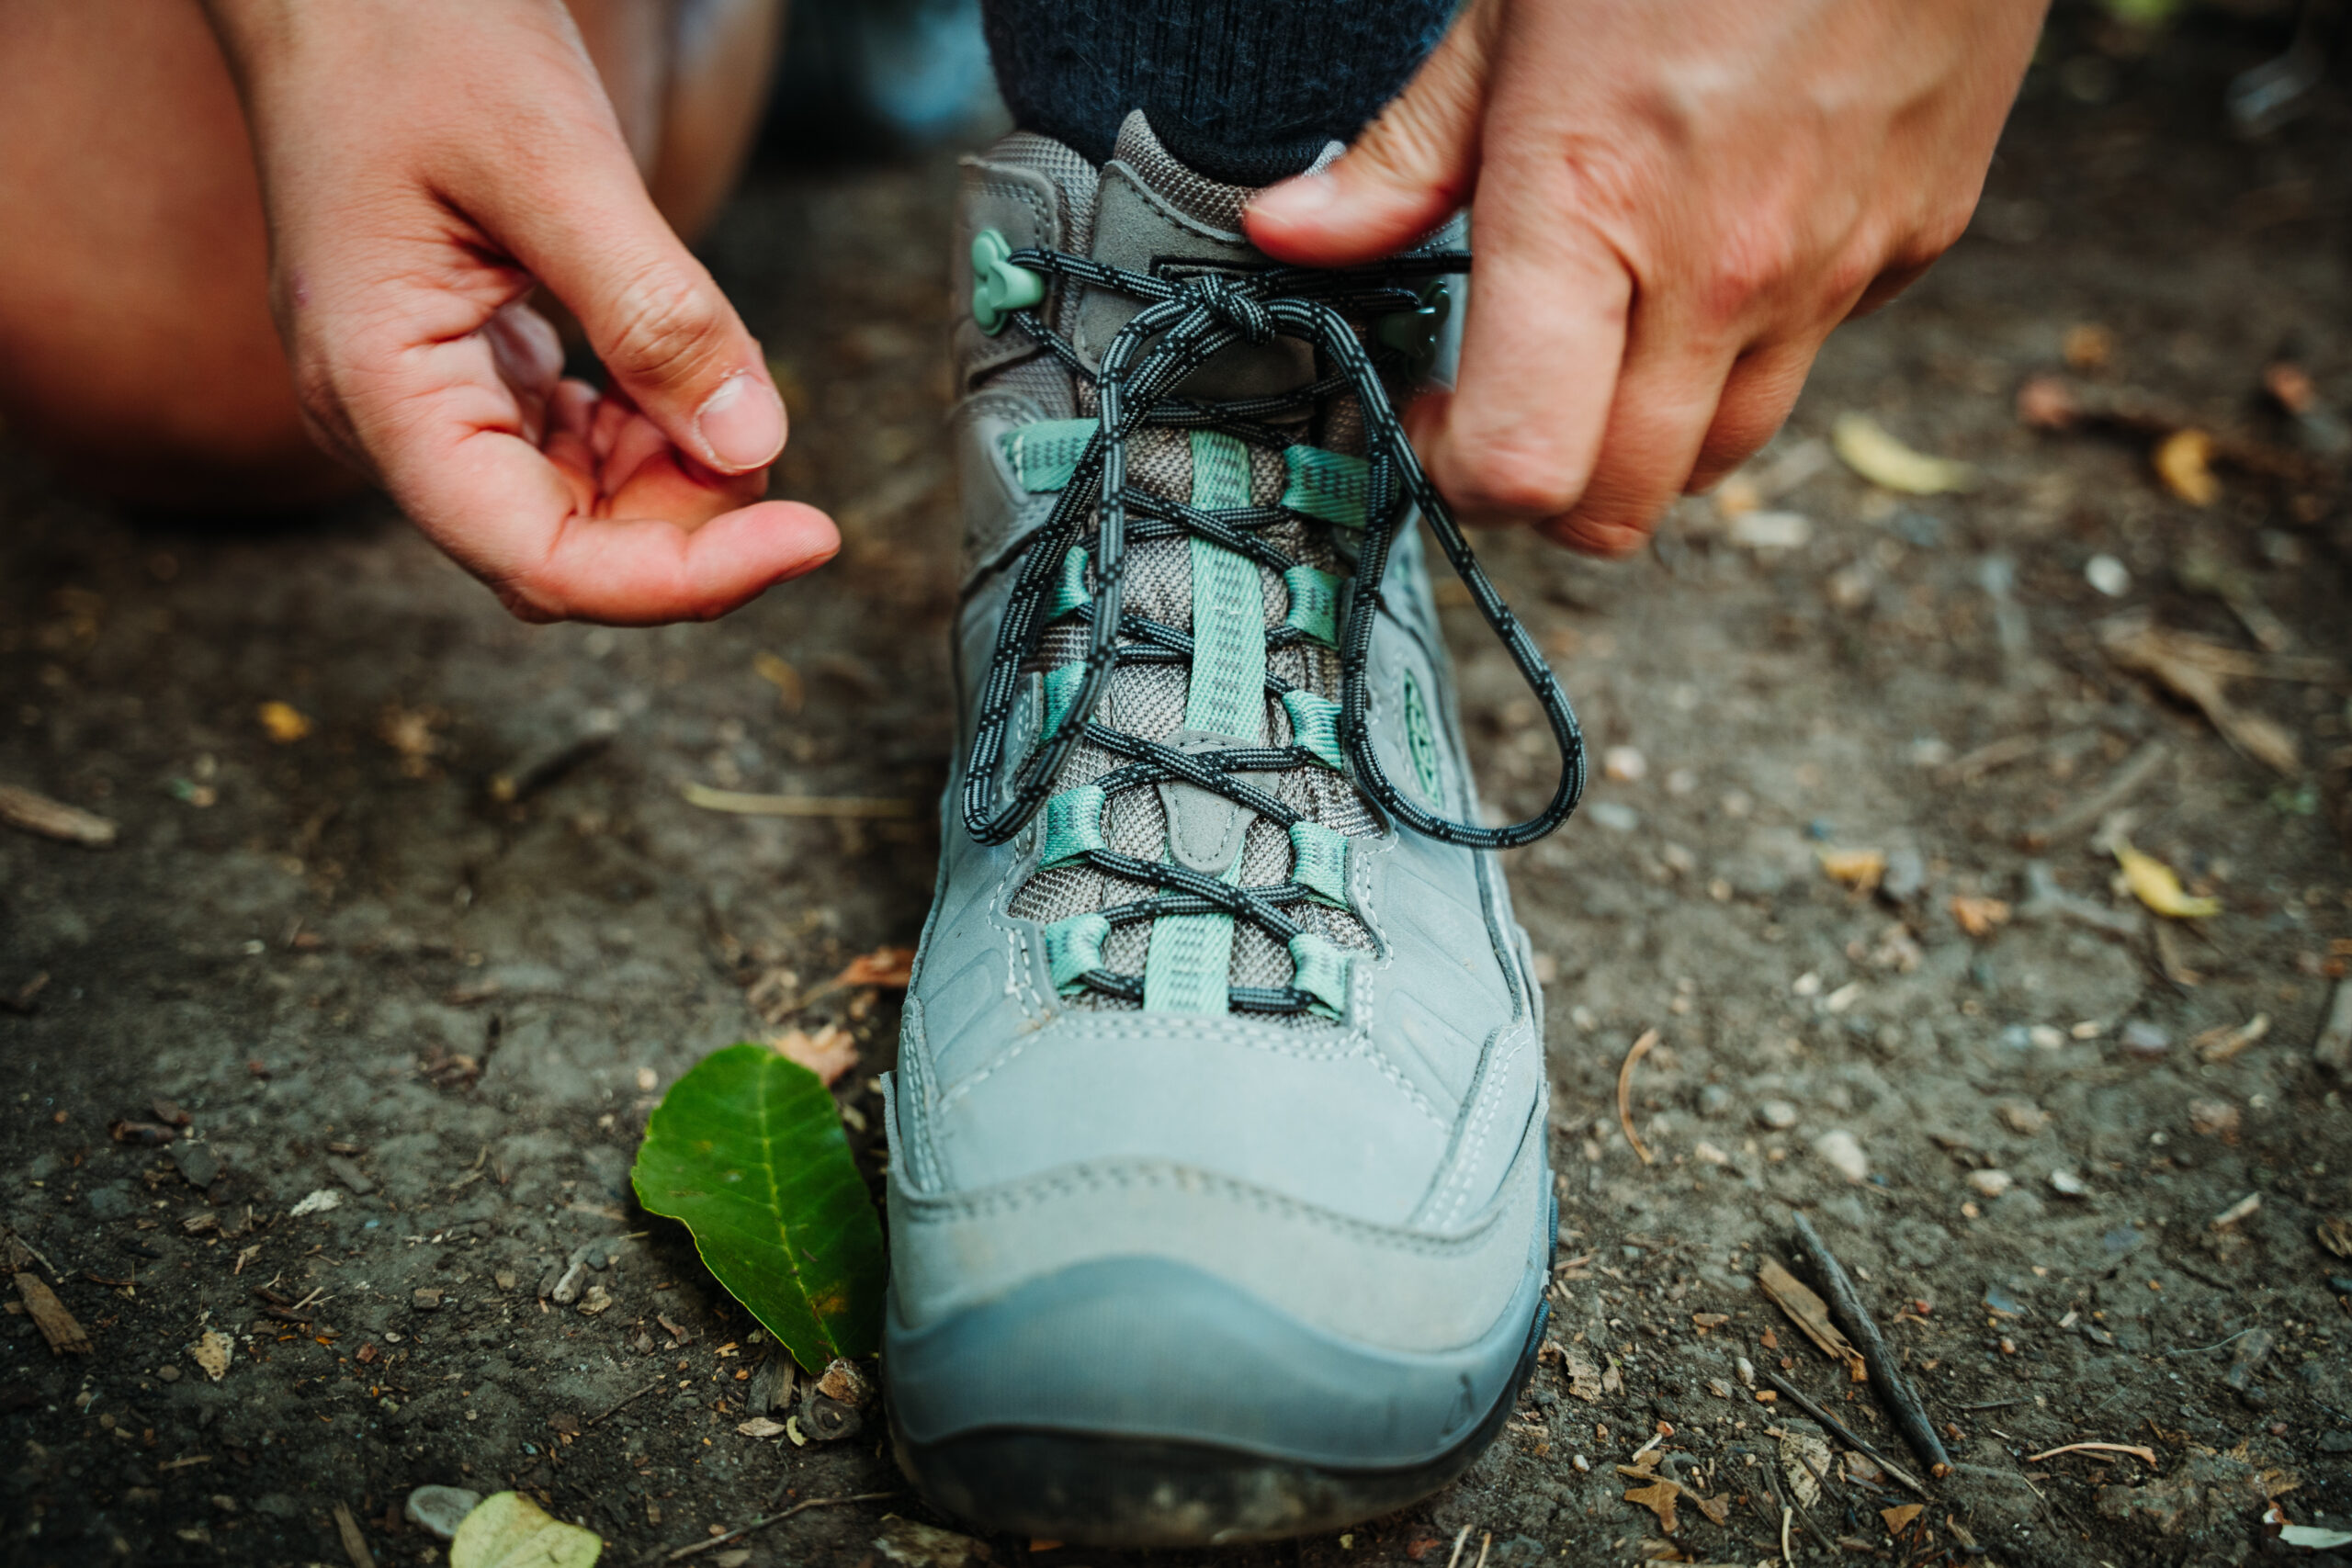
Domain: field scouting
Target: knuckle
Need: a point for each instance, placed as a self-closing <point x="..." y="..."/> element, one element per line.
<point x="666" y="325"/>
<point x="1511" y="477"/>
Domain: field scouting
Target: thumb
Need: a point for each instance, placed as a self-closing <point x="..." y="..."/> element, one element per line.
<point x="651" y="312"/>
<point x="1410" y="170"/>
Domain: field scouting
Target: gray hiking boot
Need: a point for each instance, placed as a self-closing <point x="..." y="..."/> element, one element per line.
<point x="1219" y="1202"/>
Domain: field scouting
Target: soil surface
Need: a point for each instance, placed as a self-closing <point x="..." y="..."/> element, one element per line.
<point x="417" y="975"/>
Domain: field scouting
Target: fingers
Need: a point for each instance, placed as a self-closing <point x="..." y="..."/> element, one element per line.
<point x="1757" y="398"/>
<point x="657" y="320"/>
<point x="1667" y="395"/>
<point x="1408" y="172"/>
<point x="1542" y="342"/>
<point x="674" y="545"/>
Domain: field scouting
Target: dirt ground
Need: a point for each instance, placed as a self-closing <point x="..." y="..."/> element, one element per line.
<point x="363" y="965"/>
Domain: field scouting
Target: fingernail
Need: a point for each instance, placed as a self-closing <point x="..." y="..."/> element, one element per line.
<point x="1301" y="197"/>
<point x="741" y="425"/>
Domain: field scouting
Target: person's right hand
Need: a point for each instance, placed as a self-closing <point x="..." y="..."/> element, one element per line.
<point x="424" y="163"/>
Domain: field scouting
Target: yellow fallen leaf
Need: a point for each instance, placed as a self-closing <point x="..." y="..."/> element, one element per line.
<point x="1899" y="1519"/>
<point x="2182" y="461"/>
<point x="507" y="1530"/>
<point x="1886" y="462"/>
<point x="2157" y="885"/>
<point x="1858" y="869"/>
<point x="283" y="721"/>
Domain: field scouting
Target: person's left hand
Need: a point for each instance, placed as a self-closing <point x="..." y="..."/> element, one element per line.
<point x="1672" y="203"/>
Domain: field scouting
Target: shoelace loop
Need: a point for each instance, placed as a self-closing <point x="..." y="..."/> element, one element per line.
<point x="1183" y="323"/>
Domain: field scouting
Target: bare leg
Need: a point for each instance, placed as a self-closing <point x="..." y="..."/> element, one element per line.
<point x="136" y="345"/>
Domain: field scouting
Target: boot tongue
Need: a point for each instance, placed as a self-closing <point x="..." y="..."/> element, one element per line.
<point x="1154" y="215"/>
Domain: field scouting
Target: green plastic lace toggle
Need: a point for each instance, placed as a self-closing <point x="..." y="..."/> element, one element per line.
<point x="1319" y="858"/>
<point x="1073" y="946"/>
<point x="999" y="287"/>
<point x="1073" y="826"/>
<point x="1322" y="972"/>
<point x="1416" y="333"/>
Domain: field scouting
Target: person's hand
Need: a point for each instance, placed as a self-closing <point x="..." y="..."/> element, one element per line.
<point x="1672" y="203"/>
<point x="424" y="163"/>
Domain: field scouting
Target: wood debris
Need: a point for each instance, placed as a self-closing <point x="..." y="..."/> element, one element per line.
<point x="1811" y="1314"/>
<point x="741" y="804"/>
<point x="2145" y="1455"/>
<point x="1641" y="1047"/>
<point x="1895" y="1390"/>
<point x="48" y="1315"/>
<point x="53" y="819"/>
<point x="1898" y="1521"/>
<point x="2224" y="1043"/>
<point x="2185" y="666"/>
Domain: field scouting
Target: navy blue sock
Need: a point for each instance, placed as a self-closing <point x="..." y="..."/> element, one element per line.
<point x="1245" y="91"/>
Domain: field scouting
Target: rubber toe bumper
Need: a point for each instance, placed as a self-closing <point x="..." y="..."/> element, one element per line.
<point x="1141" y="1401"/>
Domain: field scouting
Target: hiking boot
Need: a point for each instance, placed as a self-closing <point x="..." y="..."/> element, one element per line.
<point x="1219" y="1202"/>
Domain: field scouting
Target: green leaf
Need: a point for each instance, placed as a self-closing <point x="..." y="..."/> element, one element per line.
<point x="747" y="1150"/>
<point x="507" y="1530"/>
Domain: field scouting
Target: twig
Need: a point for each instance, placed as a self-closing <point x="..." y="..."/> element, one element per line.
<point x="355" y="1543"/>
<point x="741" y="804"/>
<point x="1772" y="1479"/>
<point x="1640" y="1048"/>
<point x="649" y="1388"/>
<point x="2143" y="766"/>
<point x="1990" y="1405"/>
<point x="1910" y="1416"/>
<point x="1845" y="1434"/>
<point x="1459" y="1536"/>
<point x="741" y="1530"/>
<point x="2145" y="1456"/>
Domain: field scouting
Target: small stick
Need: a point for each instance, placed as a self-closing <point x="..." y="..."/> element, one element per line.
<point x="741" y="804"/>
<point x="1772" y="1479"/>
<point x="2145" y="1456"/>
<point x="1845" y="1434"/>
<point x="1640" y="1048"/>
<point x="1910" y="1416"/>
<point x="741" y="1530"/>
<point x="2143" y="766"/>
<point x="649" y="1388"/>
<point x="1455" y="1561"/>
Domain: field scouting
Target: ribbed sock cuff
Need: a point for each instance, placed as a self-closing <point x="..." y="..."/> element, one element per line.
<point x="1244" y="91"/>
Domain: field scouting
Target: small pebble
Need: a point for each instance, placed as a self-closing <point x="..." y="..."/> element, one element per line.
<point x="1843" y="1153"/>
<point x="2145" y="1041"/>
<point x="427" y="1300"/>
<point x="2066" y="1184"/>
<point x="1746" y="1371"/>
<point x="168" y="1373"/>
<point x="1991" y="1183"/>
<point x="439" y="1510"/>
<point x="1777" y="1114"/>
<point x="2106" y="574"/>
<point x="1616" y="816"/>
<point x="1626" y="765"/>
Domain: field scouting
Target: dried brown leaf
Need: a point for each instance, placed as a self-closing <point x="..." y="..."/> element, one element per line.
<point x="1979" y="915"/>
<point x="1899" y="1519"/>
<point x="828" y="1053"/>
<point x="1658" y="1498"/>
<point x="890" y="967"/>
<point x="1811" y="1314"/>
<point x="48" y="1315"/>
